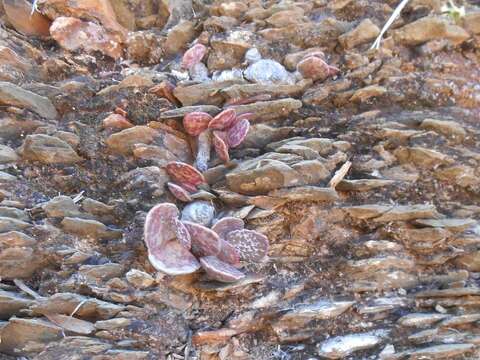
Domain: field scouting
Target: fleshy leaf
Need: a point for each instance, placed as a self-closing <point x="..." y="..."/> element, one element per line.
<point x="227" y="224"/>
<point x="237" y="133"/>
<point x="196" y="122"/>
<point x="205" y="242"/>
<point x="159" y="225"/>
<point x="199" y="212"/>
<point x="229" y="254"/>
<point x="184" y="173"/>
<point x="173" y="259"/>
<point x="179" y="192"/>
<point x="193" y="56"/>
<point x="223" y="120"/>
<point x="183" y="236"/>
<point x="220" y="271"/>
<point x="251" y="245"/>
<point x="220" y="145"/>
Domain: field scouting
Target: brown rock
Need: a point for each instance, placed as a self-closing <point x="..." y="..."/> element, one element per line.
<point x="10" y="224"/>
<point x="96" y="10"/>
<point x="10" y="57"/>
<point x="7" y="154"/>
<point x="306" y="193"/>
<point x="207" y="93"/>
<point x="19" y="14"/>
<point x="421" y="156"/>
<point x="364" y="32"/>
<point x="48" y="150"/>
<point x="235" y="9"/>
<point x="124" y="141"/>
<point x="430" y="28"/>
<point x="367" y="93"/>
<point x="11" y="303"/>
<point x="89" y="228"/>
<point x="178" y="37"/>
<point x="269" y="110"/>
<point x="229" y="49"/>
<point x="74" y="34"/>
<point x="20" y="334"/>
<point x="448" y="128"/>
<point x="471" y="21"/>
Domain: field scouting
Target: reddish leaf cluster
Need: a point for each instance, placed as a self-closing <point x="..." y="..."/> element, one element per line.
<point x="186" y="178"/>
<point x="181" y="247"/>
<point x="227" y="129"/>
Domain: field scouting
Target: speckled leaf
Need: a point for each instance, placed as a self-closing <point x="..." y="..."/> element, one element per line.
<point x="237" y="133"/>
<point x="193" y="56"/>
<point x="246" y="116"/>
<point x="220" y="145"/>
<point x="223" y="120"/>
<point x="205" y="242"/>
<point x="159" y="225"/>
<point x="196" y="122"/>
<point x="200" y="212"/>
<point x="227" y="224"/>
<point x="183" y="236"/>
<point x="173" y="259"/>
<point x="179" y="192"/>
<point x="188" y="187"/>
<point x="220" y="271"/>
<point x="251" y="245"/>
<point x="229" y="254"/>
<point x="184" y="173"/>
<point x="204" y="145"/>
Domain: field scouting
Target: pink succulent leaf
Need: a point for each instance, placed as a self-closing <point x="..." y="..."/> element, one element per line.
<point x="173" y="259"/>
<point x="183" y="236"/>
<point x="205" y="242"/>
<point x="159" y="225"/>
<point x="184" y="173"/>
<point x="220" y="271"/>
<point x="179" y="192"/>
<point x="196" y="122"/>
<point x="227" y="224"/>
<point x="188" y="187"/>
<point x="204" y="145"/>
<point x="237" y="133"/>
<point x="224" y="120"/>
<point x="247" y="116"/>
<point x="229" y="254"/>
<point x="251" y="245"/>
<point x="220" y="145"/>
<point x="193" y="56"/>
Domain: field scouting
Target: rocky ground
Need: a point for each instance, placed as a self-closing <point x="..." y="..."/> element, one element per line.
<point x="361" y="166"/>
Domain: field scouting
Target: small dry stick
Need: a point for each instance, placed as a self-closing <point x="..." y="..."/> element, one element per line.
<point x="390" y="21"/>
<point x="339" y="175"/>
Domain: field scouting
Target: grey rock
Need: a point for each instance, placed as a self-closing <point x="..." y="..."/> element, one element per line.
<point x="200" y="212"/>
<point x="342" y="346"/>
<point x="7" y="155"/>
<point x="11" y="303"/>
<point x="11" y="94"/>
<point x="268" y="72"/>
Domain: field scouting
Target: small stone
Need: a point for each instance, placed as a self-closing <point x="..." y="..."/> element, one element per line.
<point x="19" y="14"/>
<point x="74" y="34"/>
<point x="89" y="228"/>
<point x="113" y="324"/>
<point x="367" y="93"/>
<point x="448" y="351"/>
<point x="12" y="303"/>
<point x="200" y="212"/>
<point x="48" y="149"/>
<point x="420" y="156"/>
<point x="421" y="320"/>
<point x="10" y="224"/>
<point x="268" y="72"/>
<point x="101" y="272"/>
<point x="16" y="239"/>
<point x="306" y="193"/>
<point x="19" y="333"/>
<point x="364" y="32"/>
<point x="139" y="279"/>
<point x="14" y="95"/>
<point x="430" y="28"/>
<point x="447" y="128"/>
<point x="7" y="155"/>
<point x="61" y="206"/>
<point x="342" y="346"/>
<point x="124" y="141"/>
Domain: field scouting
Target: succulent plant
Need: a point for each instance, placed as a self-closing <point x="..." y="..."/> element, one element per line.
<point x="193" y="56"/>
<point x="178" y="247"/>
